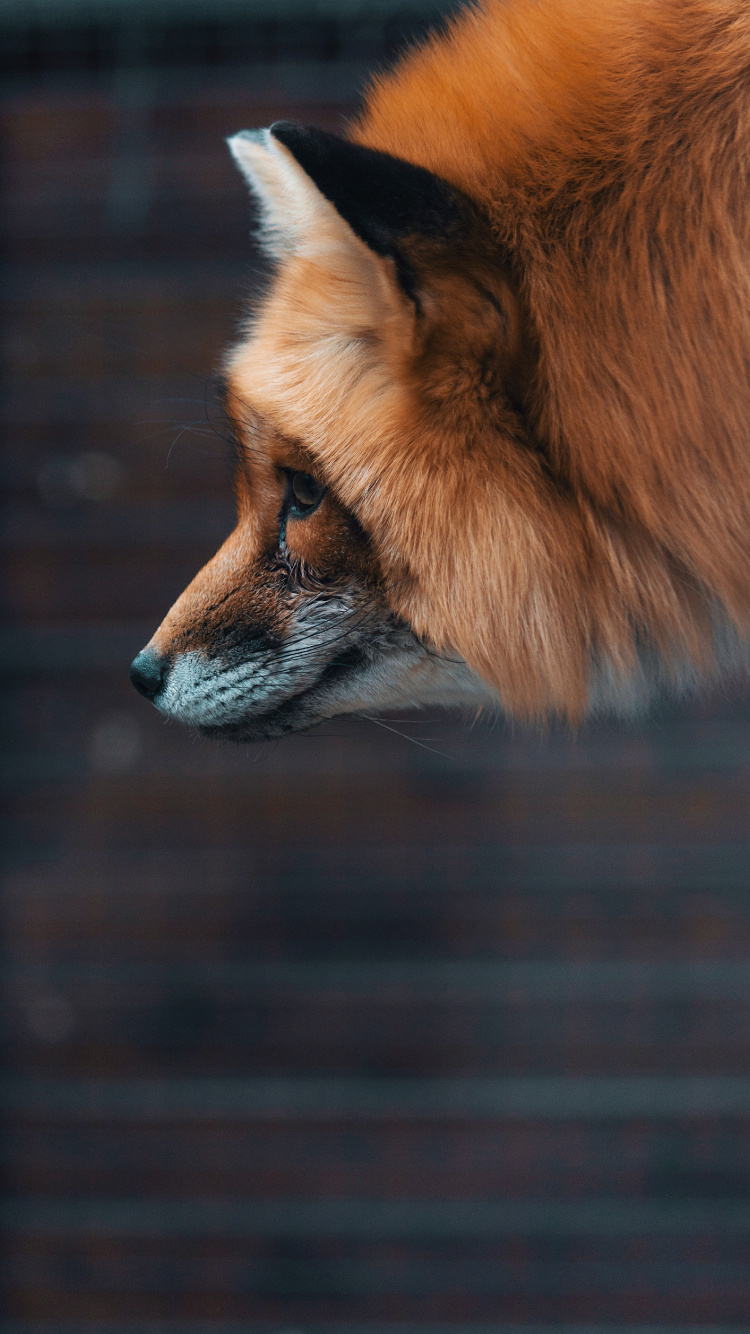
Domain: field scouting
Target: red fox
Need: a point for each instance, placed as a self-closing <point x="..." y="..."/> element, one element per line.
<point x="493" y="413"/>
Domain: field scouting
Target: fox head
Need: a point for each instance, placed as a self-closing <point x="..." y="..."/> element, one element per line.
<point x="491" y="413"/>
<point x="396" y="543"/>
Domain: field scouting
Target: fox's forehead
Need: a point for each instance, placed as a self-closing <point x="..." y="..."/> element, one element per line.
<point x="322" y="347"/>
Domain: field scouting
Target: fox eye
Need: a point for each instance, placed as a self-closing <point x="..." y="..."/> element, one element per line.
<point x="307" y="493"/>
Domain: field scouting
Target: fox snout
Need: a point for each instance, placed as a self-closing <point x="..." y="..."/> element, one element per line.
<point x="289" y="624"/>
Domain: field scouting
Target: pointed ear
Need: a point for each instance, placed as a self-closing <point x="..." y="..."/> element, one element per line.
<point x="290" y="205"/>
<point x="295" y="171"/>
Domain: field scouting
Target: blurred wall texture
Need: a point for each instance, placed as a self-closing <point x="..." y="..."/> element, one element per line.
<point x="399" y="1026"/>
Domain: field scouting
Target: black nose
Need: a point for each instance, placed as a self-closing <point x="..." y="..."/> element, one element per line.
<point x="147" y="672"/>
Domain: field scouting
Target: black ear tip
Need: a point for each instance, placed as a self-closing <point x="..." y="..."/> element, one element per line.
<point x="290" y="132"/>
<point x="383" y="198"/>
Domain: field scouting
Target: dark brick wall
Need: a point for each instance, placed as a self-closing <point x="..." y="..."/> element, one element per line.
<point x="354" y="1032"/>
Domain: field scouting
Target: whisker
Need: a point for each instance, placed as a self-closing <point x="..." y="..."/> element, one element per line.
<point x="405" y="736"/>
<point x="179" y="436"/>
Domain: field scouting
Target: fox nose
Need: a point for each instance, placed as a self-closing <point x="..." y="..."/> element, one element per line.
<point x="147" y="672"/>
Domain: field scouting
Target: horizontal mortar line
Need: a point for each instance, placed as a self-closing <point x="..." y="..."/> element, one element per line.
<point x="514" y="982"/>
<point x="631" y="865"/>
<point x="168" y="1326"/>
<point x="38" y="286"/>
<point x="322" y="82"/>
<point x="719" y="869"/>
<point x="283" y="10"/>
<point x="107" y="387"/>
<point x="139" y="403"/>
<point x="166" y="763"/>
<point x="30" y="766"/>
<point x="370" y="1219"/>
<point x="35" y="191"/>
<point x="416" y="1278"/>
<point x="485" y="766"/>
<point x="162" y="1326"/>
<point x="156" y="524"/>
<point x="201" y="163"/>
<point x="483" y="1098"/>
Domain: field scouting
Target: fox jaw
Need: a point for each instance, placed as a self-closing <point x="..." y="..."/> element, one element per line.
<point x="299" y="617"/>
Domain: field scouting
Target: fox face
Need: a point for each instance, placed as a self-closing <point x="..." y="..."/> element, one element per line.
<point x="290" y="622"/>
<point x="304" y="613"/>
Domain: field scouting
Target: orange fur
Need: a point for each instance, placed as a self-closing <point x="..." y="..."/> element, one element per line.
<point x="608" y="146"/>
<point x="549" y="451"/>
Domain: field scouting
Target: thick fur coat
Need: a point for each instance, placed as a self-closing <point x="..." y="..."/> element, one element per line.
<point x="523" y="371"/>
<point x="609" y="145"/>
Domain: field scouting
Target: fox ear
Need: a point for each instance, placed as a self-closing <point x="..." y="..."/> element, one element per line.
<point x="297" y="174"/>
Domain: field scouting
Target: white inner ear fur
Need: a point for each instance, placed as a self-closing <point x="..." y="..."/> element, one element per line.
<point x="295" y="216"/>
<point x="297" y="221"/>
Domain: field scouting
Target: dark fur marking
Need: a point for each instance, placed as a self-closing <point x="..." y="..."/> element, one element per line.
<point x="381" y="197"/>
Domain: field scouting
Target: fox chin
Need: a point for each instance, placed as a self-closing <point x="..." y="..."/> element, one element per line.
<point x="491" y="413"/>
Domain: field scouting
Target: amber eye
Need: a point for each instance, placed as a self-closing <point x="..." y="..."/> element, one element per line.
<point x="306" y="493"/>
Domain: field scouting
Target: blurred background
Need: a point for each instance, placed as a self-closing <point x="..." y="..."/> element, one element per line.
<point x="394" y="1028"/>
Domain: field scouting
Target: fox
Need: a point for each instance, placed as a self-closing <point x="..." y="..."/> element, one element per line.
<point x="492" y="410"/>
